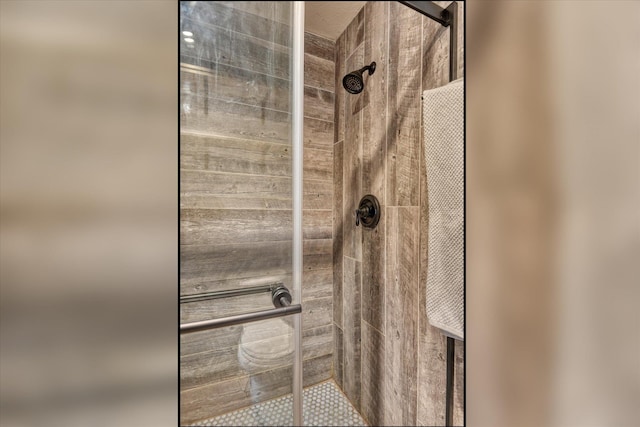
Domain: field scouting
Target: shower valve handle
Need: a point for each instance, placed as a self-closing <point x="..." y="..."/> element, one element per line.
<point x="368" y="212"/>
<point x="363" y="212"/>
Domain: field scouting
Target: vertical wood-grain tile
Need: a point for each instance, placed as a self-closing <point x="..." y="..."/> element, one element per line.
<point x="373" y="276"/>
<point x="411" y="56"/>
<point x="460" y="73"/>
<point x="352" y="179"/>
<point x="432" y="369"/>
<point x="435" y="54"/>
<point x="403" y="136"/>
<point x="337" y="233"/>
<point x="352" y="321"/>
<point x="458" y="385"/>
<point x="340" y="93"/>
<point x="373" y="371"/>
<point x="373" y="162"/>
<point x="432" y="344"/>
<point x="338" y="356"/>
<point x="401" y="329"/>
<point x="374" y="113"/>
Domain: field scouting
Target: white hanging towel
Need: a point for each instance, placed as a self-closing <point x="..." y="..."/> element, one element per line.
<point x="444" y="154"/>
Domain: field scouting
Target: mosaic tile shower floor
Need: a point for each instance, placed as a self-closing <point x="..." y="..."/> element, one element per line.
<point x="323" y="405"/>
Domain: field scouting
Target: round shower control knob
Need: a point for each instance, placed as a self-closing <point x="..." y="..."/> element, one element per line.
<point x="368" y="212"/>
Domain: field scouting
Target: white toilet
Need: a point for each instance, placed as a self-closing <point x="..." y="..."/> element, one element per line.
<point x="265" y="345"/>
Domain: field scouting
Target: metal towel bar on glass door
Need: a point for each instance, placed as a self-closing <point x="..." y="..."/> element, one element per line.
<point x="239" y="319"/>
<point x="280" y="297"/>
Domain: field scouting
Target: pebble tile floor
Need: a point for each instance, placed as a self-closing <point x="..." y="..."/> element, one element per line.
<point x="323" y="405"/>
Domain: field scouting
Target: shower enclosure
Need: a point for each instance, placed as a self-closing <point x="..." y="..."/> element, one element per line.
<point x="354" y="320"/>
<point x="241" y="112"/>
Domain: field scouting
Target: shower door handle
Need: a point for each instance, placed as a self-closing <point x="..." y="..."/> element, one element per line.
<point x="239" y="319"/>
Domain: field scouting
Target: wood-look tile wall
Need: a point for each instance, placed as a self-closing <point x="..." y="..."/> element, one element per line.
<point x="235" y="201"/>
<point x="387" y="358"/>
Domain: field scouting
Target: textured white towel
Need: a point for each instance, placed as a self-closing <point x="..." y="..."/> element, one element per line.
<point x="444" y="153"/>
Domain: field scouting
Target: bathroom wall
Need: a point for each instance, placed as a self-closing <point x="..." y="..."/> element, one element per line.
<point x="388" y="360"/>
<point x="235" y="193"/>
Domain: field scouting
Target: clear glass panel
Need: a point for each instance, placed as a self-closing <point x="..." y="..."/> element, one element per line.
<point x="235" y="201"/>
<point x="248" y="364"/>
<point x="235" y="150"/>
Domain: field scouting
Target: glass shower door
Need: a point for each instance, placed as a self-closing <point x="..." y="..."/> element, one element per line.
<point x="240" y="212"/>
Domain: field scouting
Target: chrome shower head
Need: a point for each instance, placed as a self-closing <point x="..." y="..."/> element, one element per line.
<point x="353" y="82"/>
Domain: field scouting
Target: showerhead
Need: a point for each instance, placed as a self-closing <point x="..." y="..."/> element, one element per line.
<point x="353" y="82"/>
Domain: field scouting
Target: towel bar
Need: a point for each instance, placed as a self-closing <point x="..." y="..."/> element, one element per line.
<point x="254" y="316"/>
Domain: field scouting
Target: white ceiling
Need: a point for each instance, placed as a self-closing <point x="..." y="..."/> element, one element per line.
<point x="330" y="18"/>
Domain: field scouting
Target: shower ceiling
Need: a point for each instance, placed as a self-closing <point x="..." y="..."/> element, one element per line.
<point x="330" y="18"/>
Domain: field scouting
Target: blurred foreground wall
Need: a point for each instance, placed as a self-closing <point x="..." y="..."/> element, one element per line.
<point x="88" y="180"/>
<point x="553" y="150"/>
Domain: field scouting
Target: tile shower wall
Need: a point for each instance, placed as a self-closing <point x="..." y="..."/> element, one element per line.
<point x="387" y="358"/>
<point x="235" y="201"/>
